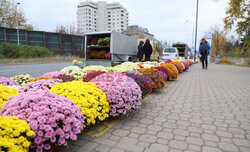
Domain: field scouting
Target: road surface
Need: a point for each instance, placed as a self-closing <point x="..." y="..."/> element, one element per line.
<point x="35" y="70"/>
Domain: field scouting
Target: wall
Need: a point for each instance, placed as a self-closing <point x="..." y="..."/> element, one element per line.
<point x="59" y="44"/>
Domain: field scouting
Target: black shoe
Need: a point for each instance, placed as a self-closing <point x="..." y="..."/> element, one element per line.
<point x="202" y="67"/>
<point x="206" y="67"/>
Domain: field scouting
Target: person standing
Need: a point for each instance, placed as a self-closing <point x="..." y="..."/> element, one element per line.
<point x="147" y="49"/>
<point x="204" y="50"/>
<point x="140" y="51"/>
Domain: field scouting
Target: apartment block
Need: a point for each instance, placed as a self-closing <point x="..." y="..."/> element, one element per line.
<point x="101" y="16"/>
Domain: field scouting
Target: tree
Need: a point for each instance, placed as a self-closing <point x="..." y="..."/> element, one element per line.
<point x="68" y="29"/>
<point x="218" y="41"/>
<point x="11" y="17"/>
<point x="61" y="29"/>
<point x="237" y="12"/>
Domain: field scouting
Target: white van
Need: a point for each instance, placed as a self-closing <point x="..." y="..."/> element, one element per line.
<point x="170" y="53"/>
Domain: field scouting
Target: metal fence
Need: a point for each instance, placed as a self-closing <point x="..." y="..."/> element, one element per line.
<point x="59" y="44"/>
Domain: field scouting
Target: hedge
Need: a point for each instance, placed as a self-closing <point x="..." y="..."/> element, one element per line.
<point x="9" y="50"/>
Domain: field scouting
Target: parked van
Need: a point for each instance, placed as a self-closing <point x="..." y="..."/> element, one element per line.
<point x="170" y="53"/>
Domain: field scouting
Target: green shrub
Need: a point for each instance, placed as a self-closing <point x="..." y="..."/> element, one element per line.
<point x="10" y="50"/>
<point x="248" y="57"/>
<point x="1" y="56"/>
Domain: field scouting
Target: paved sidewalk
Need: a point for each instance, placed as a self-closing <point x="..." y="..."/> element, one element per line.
<point x="204" y="110"/>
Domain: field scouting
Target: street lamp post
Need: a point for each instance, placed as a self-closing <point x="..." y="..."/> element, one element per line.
<point x="197" y="9"/>
<point x="17" y="24"/>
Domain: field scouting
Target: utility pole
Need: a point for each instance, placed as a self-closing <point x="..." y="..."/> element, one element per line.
<point x="197" y="9"/>
<point x="17" y="24"/>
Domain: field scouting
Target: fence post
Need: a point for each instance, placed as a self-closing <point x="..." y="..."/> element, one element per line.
<point x="26" y="37"/>
<point x="73" y="46"/>
<point x="5" y="37"/>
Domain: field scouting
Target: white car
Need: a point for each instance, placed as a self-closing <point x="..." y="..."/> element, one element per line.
<point x="170" y="53"/>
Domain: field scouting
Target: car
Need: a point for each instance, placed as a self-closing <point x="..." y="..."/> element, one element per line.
<point x="170" y="53"/>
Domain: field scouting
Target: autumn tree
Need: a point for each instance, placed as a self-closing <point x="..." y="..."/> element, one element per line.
<point x="218" y="41"/>
<point x="12" y="17"/>
<point x="237" y="12"/>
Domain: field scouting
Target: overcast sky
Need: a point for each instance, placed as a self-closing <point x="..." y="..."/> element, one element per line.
<point x="168" y="20"/>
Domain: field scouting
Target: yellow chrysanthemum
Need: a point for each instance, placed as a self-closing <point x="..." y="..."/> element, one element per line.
<point x="5" y="93"/>
<point x="10" y="138"/>
<point x="91" y="100"/>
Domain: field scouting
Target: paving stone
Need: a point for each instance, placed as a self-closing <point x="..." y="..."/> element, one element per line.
<point x="146" y="121"/>
<point x="227" y="147"/>
<point x="209" y="127"/>
<point x="132" y="123"/>
<point x="195" y="129"/>
<point x="183" y="123"/>
<point x="102" y="148"/>
<point x="88" y="147"/>
<point x="162" y="141"/>
<point x="196" y="135"/>
<point x="178" y="144"/>
<point x="151" y="132"/>
<point x="165" y="135"/>
<point x="116" y="150"/>
<point x="148" y="138"/>
<point x="210" y="137"/>
<point x="195" y="141"/>
<point x="139" y="130"/>
<point x="179" y="137"/>
<point x="158" y="147"/>
<point x="154" y="128"/>
<point x="181" y="132"/>
<point x="175" y="150"/>
<point x="244" y="149"/>
<point x="143" y="144"/>
<point x="224" y="134"/>
<point x="114" y="137"/>
<point x="143" y="125"/>
<point x="194" y="147"/>
<point x="121" y="132"/>
<point x="133" y="135"/>
<point x="130" y="147"/>
<point x="210" y="149"/>
<point x="211" y="143"/>
<point x="169" y="125"/>
<point x="241" y="142"/>
<point x="106" y="141"/>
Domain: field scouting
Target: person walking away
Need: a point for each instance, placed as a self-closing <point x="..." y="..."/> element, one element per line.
<point x="147" y="48"/>
<point x="140" y="51"/>
<point x="204" y="51"/>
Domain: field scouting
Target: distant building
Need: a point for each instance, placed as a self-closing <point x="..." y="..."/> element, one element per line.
<point x="139" y="32"/>
<point x="101" y="16"/>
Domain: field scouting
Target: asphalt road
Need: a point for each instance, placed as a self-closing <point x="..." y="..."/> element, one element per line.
<point x="35" y="70"/>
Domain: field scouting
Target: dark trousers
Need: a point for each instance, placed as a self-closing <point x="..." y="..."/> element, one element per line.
<point x="147" y="57"/>
<point x="140" y="59"/>
<point x="204" y="60"/>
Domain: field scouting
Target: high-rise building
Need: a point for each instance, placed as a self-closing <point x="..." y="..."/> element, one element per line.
<point x="101" y="16"/>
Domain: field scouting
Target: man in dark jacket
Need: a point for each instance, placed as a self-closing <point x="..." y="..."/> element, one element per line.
<point x="140" y="51"/>
<point x="204" y="50"/>
<point x="147" y="48"/>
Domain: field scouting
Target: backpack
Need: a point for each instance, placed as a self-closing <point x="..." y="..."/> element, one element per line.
<point x="204" y="48"/>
